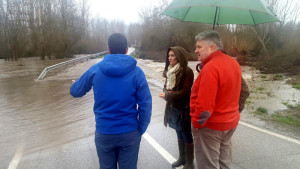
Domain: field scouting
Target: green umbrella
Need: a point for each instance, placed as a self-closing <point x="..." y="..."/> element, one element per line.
<point x="249" y="12"/>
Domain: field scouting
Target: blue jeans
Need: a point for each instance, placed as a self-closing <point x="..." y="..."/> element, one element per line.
<point x="118" y="148"/>
<point x="185" y="136"/>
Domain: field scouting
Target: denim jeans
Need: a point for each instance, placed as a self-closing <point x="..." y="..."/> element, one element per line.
<point x="121" y="149"/>
<point x="185" y="136"/>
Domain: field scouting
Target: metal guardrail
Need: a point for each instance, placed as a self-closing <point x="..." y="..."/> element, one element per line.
<point x="47" y="69"/>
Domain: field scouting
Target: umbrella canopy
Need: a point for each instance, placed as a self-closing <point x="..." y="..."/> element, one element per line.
<point x="249" y="12"/>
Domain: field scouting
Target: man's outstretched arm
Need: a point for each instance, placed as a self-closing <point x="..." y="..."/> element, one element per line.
<point x="81" y="86"/>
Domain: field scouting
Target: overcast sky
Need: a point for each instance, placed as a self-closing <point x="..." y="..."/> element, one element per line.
<point x="126" y="10"/>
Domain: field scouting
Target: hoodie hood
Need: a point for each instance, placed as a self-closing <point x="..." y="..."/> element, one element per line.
<point x="117" y="64"/>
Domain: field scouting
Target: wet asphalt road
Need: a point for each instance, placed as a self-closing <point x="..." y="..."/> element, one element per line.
<point x="43" y="127"/>
<point x="251" y="149"/>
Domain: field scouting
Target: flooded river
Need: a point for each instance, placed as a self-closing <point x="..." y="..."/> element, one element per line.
<point x="39" y="115"/>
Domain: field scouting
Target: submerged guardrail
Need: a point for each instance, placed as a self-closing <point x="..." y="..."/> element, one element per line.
<point x="49" y="68"/>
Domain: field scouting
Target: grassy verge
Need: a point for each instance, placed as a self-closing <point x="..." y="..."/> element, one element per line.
<point x="261" y="111"/>
<point x="289" y="117"/>
<point x="291" y="106"/>
<point x="286" y="119"/>
<point x="295" y="82"/>
<point x="292" y="117"/>
<point x="277" y="77"/>
<point x="296" y="86"/>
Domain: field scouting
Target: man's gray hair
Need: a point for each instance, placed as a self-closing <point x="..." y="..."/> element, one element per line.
<point x="210" y="37"/>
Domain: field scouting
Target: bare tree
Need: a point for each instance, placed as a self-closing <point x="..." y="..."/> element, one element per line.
<point x="41" y="27"/>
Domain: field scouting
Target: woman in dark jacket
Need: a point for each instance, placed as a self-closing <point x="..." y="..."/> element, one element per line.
<point x="177" y="92"/>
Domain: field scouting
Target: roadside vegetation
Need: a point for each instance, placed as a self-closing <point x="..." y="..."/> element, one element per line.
<point x="55" y="29"/>
<point x="292" y="120"/>
<point x="289" y="117"/>
<point x="271" y="48"/>
<point x="296" y="86"/>
<point x="52" y="29"/>
<point x="261" y="111"/>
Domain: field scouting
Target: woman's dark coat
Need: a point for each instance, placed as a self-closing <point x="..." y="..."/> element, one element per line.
<point x="179" y="96"/>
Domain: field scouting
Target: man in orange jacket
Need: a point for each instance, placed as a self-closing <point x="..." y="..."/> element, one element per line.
<point x="214" y="102"/>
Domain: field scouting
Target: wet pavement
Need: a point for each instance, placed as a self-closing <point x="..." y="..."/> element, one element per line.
<point x="42" y="126"/>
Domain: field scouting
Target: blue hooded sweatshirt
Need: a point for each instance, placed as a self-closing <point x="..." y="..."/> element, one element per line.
<point x="123" y="102"/>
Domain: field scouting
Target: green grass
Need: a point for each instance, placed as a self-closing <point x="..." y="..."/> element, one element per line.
<point x="248" y="101"/>
<point x="288" y="120"/>
<point x="277" y="76"/>
<point x="100" y="56"/>
<point x="263" y="76"/>
<point x="260" y="88"/>
<point x="260" y="111"/>
<point x="135" y="54"/>
<point x="290" y="106"/>
<point x="296" y="86"/>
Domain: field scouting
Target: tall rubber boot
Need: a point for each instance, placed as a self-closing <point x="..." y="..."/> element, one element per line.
<point x="181" y="159"/>
<point x="189" y="156"/>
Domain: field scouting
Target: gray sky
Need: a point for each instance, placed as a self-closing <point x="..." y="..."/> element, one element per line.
<point x="126" y="10"/>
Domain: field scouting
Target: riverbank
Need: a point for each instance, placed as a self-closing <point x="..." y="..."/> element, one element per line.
<point x="272" y="104"/>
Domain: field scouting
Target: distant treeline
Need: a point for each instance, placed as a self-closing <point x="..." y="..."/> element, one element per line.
<point x="272" y="46"/>
<point x="61" y="28"/>
<point x="51" y="29"/>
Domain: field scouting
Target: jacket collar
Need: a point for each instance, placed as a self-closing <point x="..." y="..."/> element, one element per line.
<point x="216" y="53"/>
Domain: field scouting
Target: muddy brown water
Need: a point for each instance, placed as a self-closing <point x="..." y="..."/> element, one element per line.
<point x="37" y="115"/>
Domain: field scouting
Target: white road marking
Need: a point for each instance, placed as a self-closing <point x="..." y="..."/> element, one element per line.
<point x="171" y="159"/>
<point x="270" y="133"/>
<point x="15" y="161"/>
<point x="17" y="157"/>
<point x="159" y="148"/>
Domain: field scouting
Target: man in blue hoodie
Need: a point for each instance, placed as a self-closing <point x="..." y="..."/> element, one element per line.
<point x="122" y="107"/>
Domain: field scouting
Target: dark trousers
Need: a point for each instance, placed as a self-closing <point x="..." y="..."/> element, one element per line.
<point x="185" y="136"/>
<point x="119" y="148"/>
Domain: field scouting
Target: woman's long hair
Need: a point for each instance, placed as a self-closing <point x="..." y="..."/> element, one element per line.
<point x="181" y="56"/>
